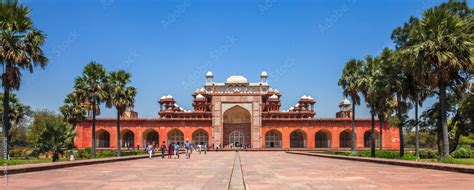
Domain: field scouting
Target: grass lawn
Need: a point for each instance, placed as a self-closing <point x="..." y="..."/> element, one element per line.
<point x="463" y="161"/>
<point x="102" y="154"/>
<point x="19" y="161"/>
<point x="394" y="155"/>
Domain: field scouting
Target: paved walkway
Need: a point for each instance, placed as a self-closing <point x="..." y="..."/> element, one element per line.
<point x="260" y="170"/>
<point x="270" y="170"/>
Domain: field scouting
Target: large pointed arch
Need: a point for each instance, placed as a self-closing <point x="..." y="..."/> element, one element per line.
<point x="237" y="127"/>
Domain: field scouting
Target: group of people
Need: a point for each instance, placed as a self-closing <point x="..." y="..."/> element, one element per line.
<point x="173" y="149"/>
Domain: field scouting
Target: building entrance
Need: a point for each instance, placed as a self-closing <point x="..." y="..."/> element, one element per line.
<point x="237" y="128"/>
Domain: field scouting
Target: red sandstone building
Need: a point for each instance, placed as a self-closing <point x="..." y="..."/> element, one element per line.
<point x="234" y="114"/>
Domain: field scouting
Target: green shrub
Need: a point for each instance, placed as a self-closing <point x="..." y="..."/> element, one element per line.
<point x="365" y="153"/>
<point x="461" y="153"/>
<point x="32" y="153"/>
<point x="343" y="153"/>
<point x="408" y="157"/>
<point x="448" y="159"/>
<point x="387" y="154"/>
<point x="131" y="153"/>
<point x="17" y="153"/>
<point x="83" y="154"/>
<point x="68" y="153"/>
<point x="105" y="153"/>
<point x="428" y="154"/>
<point x="88" y="150"/>
<point x="354" y="153"/>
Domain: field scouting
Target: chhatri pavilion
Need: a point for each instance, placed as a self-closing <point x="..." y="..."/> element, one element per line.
<point x="234" y="114"/>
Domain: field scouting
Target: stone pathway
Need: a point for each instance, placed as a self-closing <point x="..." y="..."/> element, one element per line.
<point x="259" y="170"/>
<point x="211" y="171"/>
<point x="278" y="170"/>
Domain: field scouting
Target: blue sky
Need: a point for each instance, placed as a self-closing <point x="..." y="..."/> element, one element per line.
<point x="169" y="45"/>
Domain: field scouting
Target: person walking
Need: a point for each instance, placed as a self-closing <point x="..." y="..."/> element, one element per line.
<point x="187" y="148"/>
<point x="176" y="149"/>
<point x="163" y="149"/>
<point x="205" y="148"/>
<point x="149" y="148"/>
<point x="170" y="150"/>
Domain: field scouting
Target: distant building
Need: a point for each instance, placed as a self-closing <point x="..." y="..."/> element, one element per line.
<point x="234" y="114"/>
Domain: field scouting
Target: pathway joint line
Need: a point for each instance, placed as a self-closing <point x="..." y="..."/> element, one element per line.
<point x="237" y="179"/>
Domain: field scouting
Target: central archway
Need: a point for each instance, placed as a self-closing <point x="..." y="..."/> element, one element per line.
<point x="236" y="127"/>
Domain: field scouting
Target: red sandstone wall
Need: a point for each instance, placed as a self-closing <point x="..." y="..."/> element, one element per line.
<point x="332" y="126"/>
<point x="285" y="127"/>
<point x="138" y="127"/>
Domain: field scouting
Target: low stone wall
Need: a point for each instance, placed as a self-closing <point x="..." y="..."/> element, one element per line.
<point x="24" y="168"/>
<point x="407" y="163"/>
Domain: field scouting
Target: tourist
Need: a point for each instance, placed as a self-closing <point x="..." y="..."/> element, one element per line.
<point x="163" y="149"/>
<point x="199" y="146"/>
<point x="187" y="148"/>
<point x="149" y="148"/>
<point x="205" y="148"/>
<point x="176" y="150"/>
<point x="170" y="150"/>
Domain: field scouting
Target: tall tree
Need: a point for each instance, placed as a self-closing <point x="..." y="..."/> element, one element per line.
<point x="120" y="96"/>
<point x="350" y="82"/>
<point x="369" y="88"/>
<point x="19" y="113"/>
<point x="50" y="133"/>
<point x="443" y="43"/>
<point x="91" y="89"/>
<point x="20" y="49"/>
<point x="73" y="110"/>
<point x="380" y="93"/>
<point x="397" y="83"/>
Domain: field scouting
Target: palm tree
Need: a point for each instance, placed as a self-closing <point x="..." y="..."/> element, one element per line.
<point x="73" y="110"/>
<point x="443" y="44"/>
<point x="20" y="49"/>
<point x="418" y="93"/>
<point x="18" y="113"/>
<point x="397" y="84"/>
<point x="370" y="90"/>
<point x="350" y="82"/>
<point x="380" y="92"/>
<point x="91" y="89"/>
<point x="119" y="95"/>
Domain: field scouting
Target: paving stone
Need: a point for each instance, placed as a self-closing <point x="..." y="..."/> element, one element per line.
<point x="261" y="171"/>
